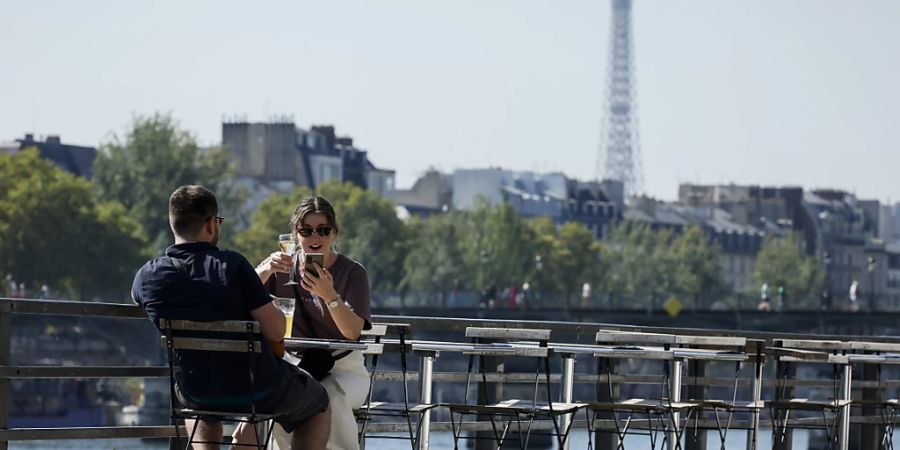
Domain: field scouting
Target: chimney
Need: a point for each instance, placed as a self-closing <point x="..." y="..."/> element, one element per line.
<point x="53" y="139"/>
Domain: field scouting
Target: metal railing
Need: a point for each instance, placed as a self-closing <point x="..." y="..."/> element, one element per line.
<point x="573" y="332"/>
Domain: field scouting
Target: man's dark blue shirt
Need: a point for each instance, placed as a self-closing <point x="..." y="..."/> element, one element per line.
<point x="197" y="281"/>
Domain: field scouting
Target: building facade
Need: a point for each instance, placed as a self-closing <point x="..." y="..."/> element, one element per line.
<point x="279" y="152"/>
<point x="75" y="159"/>
<point x="550" y="195"/>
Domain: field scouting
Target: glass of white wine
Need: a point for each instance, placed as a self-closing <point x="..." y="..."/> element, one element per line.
<point x="288" y="245"/>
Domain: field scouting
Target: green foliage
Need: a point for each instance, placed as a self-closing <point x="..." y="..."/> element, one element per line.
<point x="54" y="231"/>
<point x="156" y="156"/>
<point x="577" y="259"/>
<point x="638" y="261"/>
<point x="497" y="246"/>
<point x="696" y="272"/>
<point x="271" y="218"/>
<point x="370" y="232"/>
<point x="647" y="265"/>
<point x="782" y="262"/>
<point x="435" y="258"/>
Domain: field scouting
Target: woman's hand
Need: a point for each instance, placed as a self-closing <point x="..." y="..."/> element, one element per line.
<point x="348" y="323"/>
<point x="278" y="262"/>
<point x="321" y="286"/>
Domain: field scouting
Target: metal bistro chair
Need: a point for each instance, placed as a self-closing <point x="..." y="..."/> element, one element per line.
<point x="664" y="414"/>
<point x="698" y="352"/>
<point x="876" y="355"/>
<point x="496" y="342"/>
<point x="834" y="409"/>
<point x="230" y="337"/>
<point x="374" y="409"/>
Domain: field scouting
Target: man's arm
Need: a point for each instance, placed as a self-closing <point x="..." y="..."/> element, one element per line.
<point x="271" y="321"/>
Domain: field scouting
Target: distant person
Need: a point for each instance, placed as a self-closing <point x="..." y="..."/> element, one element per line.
<point x="826" y="300"/>
<point x="13" y="287"/>
<point x="764" y="298"/>
<point x="854" y="296"/>
<point x="586" y="295"/>
<point x="526" y="295"/>
<point x="45" y="292"/>
<point x="197" y="281"/>
<point x="453" y="301"/>
<point x="513" y="297"/>
<point x="782" y="297"/>
<point x="488" y="296"/>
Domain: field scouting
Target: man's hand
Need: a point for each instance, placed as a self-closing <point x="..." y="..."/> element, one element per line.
<point x="278" y="262"/>
<point x="277" y="348"/>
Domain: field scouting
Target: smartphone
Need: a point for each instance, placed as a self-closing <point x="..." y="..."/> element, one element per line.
<point x="309" y="262"/>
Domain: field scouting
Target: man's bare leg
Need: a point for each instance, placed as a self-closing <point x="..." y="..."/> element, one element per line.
<point x="244" y="435"/>
<point x="206" y="432"/>
<point x="313" y="434"/>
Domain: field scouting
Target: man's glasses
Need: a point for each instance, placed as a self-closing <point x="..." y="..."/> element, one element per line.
<point x="321" y="231"/>
<point x="219" y="219"/>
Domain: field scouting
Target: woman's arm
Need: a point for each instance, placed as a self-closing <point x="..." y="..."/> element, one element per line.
<point x="277" y="262"/>
<point x="348" y="322"/>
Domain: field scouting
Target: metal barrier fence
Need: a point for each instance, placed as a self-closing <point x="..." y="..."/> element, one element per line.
<point x="574" y="331"/>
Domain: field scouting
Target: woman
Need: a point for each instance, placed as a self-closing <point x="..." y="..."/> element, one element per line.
<point x="336" y="302"/>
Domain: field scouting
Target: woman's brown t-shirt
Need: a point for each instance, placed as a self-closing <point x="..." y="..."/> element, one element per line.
<point x="351" y="282"/>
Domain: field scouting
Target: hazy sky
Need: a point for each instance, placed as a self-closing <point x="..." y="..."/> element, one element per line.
<point x="799" y="92"/>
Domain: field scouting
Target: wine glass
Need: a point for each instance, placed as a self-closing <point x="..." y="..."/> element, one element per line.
<point x="289" y="245"/>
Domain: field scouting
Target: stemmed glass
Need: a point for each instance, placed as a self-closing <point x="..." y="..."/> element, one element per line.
<point x="289" y="245"/>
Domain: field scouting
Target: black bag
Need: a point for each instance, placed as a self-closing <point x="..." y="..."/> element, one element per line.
<point x="318" y="362"/>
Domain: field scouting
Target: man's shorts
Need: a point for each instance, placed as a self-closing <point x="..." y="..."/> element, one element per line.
<point x="297" y="398"/>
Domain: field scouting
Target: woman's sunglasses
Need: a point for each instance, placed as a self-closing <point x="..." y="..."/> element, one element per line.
<point x="321" y="231"/>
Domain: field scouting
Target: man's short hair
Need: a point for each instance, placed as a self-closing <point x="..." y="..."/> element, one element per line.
<point x="189" y="207"/>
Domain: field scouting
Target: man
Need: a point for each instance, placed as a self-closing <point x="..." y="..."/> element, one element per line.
<point x="197" y="281"/>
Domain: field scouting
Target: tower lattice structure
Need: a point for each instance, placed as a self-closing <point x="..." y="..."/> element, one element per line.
<point x="620" y="156"/>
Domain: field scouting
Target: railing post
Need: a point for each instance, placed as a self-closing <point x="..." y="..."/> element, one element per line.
<point x="695" y="439"/>
<point x="675" y="393"/>
<point x="844" y="429"/>
<point x="5" y="360"/>
<point x="492" y="364"/>
<point x="568" y="389"/>
<point x="758" y="365"/>
<point x="872" y="434"/>
<point x="606" y="394"/>
<point x="783" y="439"/>
<point x="426" y="370"/>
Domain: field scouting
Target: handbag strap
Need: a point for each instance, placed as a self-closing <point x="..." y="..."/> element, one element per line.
<point x="308" y="320"/>
<point x="298" y="303"/>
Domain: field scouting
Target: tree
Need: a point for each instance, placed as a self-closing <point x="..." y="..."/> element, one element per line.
<point x="271" y="218"/>
<point x="54" y="231"/>
<point x="434" y="259"/>
<point x="368" y="229"/>
<point x="640" y="262"/>
<point x="498" y="247"/>
<point x="578" y="259"/>
<point x="782" y="262"/>
<point x="570" y="256"/>
<point x="156" y="156"/>
<point x="370" y="232"/>
<point x="696" y="270"/>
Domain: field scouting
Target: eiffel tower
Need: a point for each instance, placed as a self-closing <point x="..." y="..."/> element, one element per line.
<point x="620" y="156"/>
